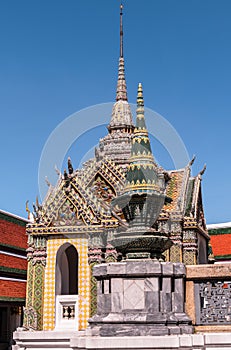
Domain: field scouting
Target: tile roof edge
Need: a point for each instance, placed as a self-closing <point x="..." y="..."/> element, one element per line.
<point x="219" y="225"/>
<point x="13" y="215"/>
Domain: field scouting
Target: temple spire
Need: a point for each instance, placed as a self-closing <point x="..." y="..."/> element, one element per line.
<point x="121" y="30"/>
<point x="117" y="144"/>
<point x="121" y="92"/>
<point x="140" y="120"/>
<point x="142" y="171"/>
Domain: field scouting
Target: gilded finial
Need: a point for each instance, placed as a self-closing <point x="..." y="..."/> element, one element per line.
<point x="140" y="119"/>
<point x="140" y="98"/>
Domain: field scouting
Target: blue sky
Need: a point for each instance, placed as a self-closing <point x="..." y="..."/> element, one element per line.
<point x="58" y="57"/>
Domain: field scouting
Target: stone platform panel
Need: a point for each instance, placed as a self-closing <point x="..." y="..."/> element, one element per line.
<point x="85" y="340"/>
<point x="140" y="297"/>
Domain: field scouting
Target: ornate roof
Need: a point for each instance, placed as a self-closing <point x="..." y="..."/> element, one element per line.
<point x="185" y="192"/>
<point x="82" y="197"/>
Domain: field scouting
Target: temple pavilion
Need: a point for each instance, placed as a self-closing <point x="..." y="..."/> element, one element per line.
<point x="73" y="228"/>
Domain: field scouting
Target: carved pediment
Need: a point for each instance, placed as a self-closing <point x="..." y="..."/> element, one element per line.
<point x="83" y="197"/>
<point x="68" y="215"/>
<point x="102" y="189"/>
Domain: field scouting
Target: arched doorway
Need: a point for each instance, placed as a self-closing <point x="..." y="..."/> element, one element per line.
<point x="66" y="271"/>
<point x="66" y="287"/>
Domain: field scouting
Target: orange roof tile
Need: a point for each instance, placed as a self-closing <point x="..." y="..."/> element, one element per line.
<point x="221" y="244"/>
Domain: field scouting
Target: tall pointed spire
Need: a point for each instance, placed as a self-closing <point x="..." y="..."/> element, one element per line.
<point x="142" y="175"/>
<point x="121" y="92"/>
<point x="121" y="114"/>
<point x="141" y="143"/>
<point x="117" y="144"/>
<point x="121" y="31"/>
<point x="140" y="120"/>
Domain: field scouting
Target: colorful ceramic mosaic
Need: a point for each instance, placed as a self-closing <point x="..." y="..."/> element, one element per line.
<point x="36" y="255"/>
<point x="93" y="283"/>
<point x="38" y="293"/>
<point x="53" y="244"/>
<point x="29" y="285"/>
<point x="175" y="254"/>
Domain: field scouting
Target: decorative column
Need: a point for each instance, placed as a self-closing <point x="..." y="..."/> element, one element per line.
<point x="99" y="252"/>
<point x="176" y="251"/>
<point x="190" y="246"/>
<point x="96" y="256"/>
<point x="36" y="256"/>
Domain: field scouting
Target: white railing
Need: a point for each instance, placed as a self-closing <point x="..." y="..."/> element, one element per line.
<point x="66" y="315"/>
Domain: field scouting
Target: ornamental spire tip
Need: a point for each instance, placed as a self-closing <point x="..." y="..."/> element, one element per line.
<point x="121" y="30"/>
<point x="140" y="98"/>
<point x="121" y="92"/>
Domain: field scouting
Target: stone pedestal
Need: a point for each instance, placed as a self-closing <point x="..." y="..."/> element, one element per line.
<point x="140" y="298"/>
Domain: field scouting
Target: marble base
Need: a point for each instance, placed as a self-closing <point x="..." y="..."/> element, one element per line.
<point x="50" y="340"/>
<point x="127" y="324"/>
<point x="135" y="329"/>
<point x="138" y="298"/>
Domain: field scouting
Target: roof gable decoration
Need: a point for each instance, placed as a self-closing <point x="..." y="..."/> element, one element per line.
<point x="106" y="168"/>
<point x="82" y="197"/>
<point x="184" y="190"/>
<point x="193" y="202"/>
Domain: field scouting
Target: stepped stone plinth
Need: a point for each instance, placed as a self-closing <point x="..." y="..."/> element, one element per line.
<point x="140" y="298"/>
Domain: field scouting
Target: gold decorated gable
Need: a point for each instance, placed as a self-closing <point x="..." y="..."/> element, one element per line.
<point x="82" y="199"/>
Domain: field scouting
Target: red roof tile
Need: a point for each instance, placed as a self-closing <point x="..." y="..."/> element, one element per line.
<point x="221" y="244"/>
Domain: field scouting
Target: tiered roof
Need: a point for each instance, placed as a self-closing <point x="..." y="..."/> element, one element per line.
<point x="124" y="153"/>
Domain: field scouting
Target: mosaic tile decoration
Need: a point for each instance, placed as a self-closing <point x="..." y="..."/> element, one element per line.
<point x="53" y="244"/>
<point x="29" y="285"/>
<point x="93" y="284"/>
<point x="189" y="257"/>
<point x="175" y="254"/>
<point x="29" y="291"/>
<point x="38" y="292"/>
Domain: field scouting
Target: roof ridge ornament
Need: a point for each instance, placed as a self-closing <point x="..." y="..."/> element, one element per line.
<point x="203" y="170"/>
<point x="192" y="161"/>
